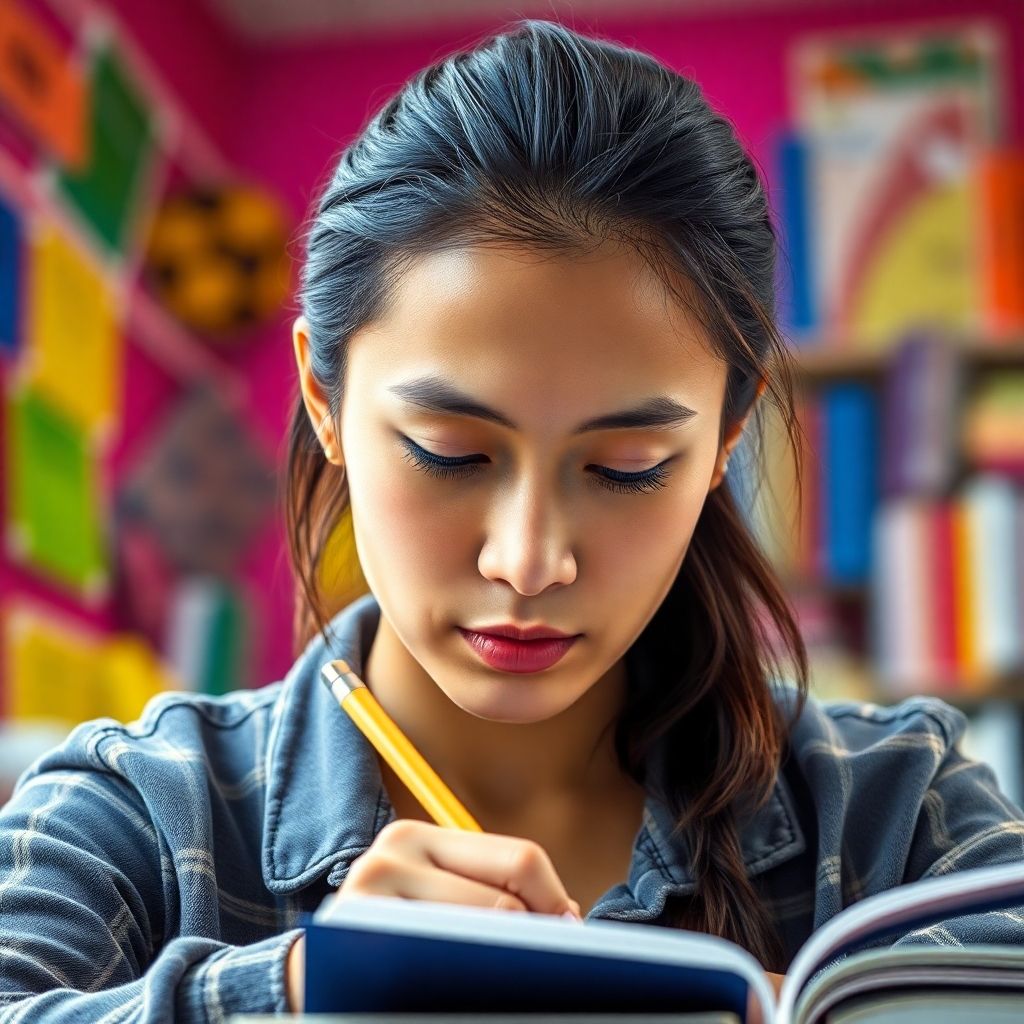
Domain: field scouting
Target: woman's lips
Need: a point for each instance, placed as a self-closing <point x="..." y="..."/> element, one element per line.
<point x="509" y="655"/>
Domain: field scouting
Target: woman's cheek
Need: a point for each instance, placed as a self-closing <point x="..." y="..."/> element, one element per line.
<point x="413" y="529"/>
<point x="658" y="548"/>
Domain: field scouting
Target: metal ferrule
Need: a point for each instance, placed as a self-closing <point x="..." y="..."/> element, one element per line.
<point x="340" y="679"/>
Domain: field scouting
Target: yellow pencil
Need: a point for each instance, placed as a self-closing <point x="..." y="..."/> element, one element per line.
<point x="391" y="743"/>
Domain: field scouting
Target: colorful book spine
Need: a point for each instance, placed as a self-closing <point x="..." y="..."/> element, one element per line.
<point x="924" y="581"/>
<point x="922" y="399"/>
<point x="850" y="472"/>
<point x="900" y="599"/>
<point x="968" y="655"/>
<point x="947" y="590"/>
<point x="897" y="415"/>
<point x="207" y="635"/>
<point x="991" y="512"/>
<point x="812" y="511"/>
<point x="799" y="287"/>
<point x="943" y="593"/>
<point x="993" y="425"/>
<point x="933" y="461"/>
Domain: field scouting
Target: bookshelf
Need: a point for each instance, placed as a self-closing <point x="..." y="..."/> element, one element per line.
<point x="826" y="361"/>
<point x="841" y="612"/>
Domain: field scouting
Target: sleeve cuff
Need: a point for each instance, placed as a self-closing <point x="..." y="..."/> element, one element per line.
<point x="240" y="979"/>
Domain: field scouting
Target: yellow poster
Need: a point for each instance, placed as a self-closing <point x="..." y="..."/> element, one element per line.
<point x="51" y="671"/>
<point x="75" y="354"/>
<point x="60" y="673"/>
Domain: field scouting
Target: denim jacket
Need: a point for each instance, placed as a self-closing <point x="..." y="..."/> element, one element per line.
<point x="157" y="870"/>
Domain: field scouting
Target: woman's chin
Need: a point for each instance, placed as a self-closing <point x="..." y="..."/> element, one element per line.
<point x="513" y="702"/>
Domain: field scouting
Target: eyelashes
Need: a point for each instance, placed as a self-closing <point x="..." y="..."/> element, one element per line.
<point x="468" y="465"/>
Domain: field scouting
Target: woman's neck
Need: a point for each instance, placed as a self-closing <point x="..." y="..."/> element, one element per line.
<point x="498" y="769"/>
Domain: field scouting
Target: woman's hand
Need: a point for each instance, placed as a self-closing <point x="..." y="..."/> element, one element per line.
<point x="417" y="860"/>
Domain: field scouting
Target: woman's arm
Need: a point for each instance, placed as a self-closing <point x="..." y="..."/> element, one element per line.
<point x="82" y="917"/>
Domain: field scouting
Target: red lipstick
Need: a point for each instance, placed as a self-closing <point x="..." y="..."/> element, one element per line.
<point x="512" y="654"/>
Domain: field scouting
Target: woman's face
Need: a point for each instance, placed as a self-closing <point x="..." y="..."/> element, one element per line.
<point x="534" y="532"/>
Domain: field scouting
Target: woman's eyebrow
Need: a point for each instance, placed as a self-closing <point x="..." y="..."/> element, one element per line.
<point x="439" y="395"/>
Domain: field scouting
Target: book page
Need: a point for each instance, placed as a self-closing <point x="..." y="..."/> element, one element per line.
<point x="901" y="909"/>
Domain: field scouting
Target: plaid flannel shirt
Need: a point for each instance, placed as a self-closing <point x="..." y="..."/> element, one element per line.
<point x="157" y="870"/>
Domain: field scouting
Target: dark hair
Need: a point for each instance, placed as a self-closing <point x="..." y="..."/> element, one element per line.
<point x="543" y="137"/>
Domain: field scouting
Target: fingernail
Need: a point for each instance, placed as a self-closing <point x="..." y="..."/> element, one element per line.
<point x="573" y="917"/>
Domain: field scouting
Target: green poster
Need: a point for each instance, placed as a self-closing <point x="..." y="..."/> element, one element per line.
<point x="121" y="137"/>
<point x="53" y="520"/>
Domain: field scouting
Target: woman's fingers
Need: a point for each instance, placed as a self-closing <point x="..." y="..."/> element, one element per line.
<point x="473" y="865"/>
<point x="424" y="882"/>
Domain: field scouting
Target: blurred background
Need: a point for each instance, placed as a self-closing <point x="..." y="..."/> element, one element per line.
<point x="157" y="162"/>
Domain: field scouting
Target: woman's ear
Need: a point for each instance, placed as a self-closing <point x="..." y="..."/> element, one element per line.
<point x="732" y="438"/>
<point x="313" y="398"/>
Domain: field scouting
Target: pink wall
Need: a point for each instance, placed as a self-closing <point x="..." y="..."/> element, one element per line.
<point x="283" y="115"/>
<point x="201" y="62"/>
<point x="305" y="102"/>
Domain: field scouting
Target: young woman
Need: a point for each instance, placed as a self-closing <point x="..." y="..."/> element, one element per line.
<point x="537" y="316"/>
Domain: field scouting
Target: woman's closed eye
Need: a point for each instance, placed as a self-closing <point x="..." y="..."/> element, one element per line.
<point x="447" y="467"/>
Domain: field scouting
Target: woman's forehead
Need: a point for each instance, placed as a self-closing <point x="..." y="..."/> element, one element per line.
<point x="600" y="322"/>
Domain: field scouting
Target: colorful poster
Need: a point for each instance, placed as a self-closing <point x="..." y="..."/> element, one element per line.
<point x="108" y="189"/>
<point x="893" y="124"/>
<point x="53" y="506"/>
<point x="59" y="672"/>
<point x="10" y="279"/>
<point x="75" y="347"/>
<point x="41" y="85"/>
<point x="209" y="635"/>
<point x="204" y="490"/>
<point x="51" y="669"/>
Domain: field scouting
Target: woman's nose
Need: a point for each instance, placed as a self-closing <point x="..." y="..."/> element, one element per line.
<point x="529" y="543"/>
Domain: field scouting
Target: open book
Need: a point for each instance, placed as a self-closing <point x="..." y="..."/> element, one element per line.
<point x="387" y="955"/>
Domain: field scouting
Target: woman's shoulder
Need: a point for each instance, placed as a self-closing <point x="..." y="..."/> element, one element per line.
<point x="842" y="728"/>
<point x="176" y="729"/>
<point x="860" y="758"/>
<point x="894" y="766"/>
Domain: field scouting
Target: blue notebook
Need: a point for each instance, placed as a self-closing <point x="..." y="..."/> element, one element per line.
<point x="414" y="956"/>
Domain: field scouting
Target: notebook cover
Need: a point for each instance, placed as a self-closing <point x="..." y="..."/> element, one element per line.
<point x="354" y="970"/>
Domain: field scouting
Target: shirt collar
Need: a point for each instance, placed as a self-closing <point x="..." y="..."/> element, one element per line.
<point x="325" y="799"/>
<point x="325" y="793"/>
